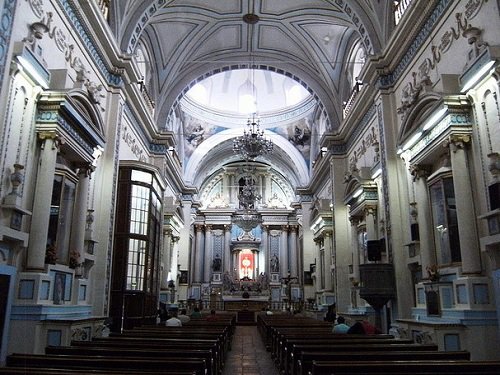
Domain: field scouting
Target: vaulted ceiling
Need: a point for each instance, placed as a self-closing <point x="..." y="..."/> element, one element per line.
<point x="308" y="40"/>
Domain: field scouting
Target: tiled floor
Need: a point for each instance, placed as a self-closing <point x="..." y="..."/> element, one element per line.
<point x="248" y="355"/>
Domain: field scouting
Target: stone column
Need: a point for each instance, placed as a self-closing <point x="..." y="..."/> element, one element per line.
<point x="424" y="217"/>
<point x="328" y="260"/>
<point x="165" y="259"/>
<point x="355" y="246"/>
<point x="284" y="267"/>
<point x="319" y="267"/>
<point x="371" y="223"/>
<point x="174" y="257"/>
<point x="265" y="247"/>
<point x="226" y="253"/>
<point x="235" y="272"/>
<point x="293" y="252"/>
<point x="42" y="201"/>
<point x="234" y="189"/>
<point x="77" y="240"/>
<point x="208" y="254"/>
<point x="199" y="254"/>
<point x="466" y="216"/>
<point x="255" y="273"/>
<point x="226" y="191"/>
<point x="267" y="191"/>
<point x="261" y="189"/>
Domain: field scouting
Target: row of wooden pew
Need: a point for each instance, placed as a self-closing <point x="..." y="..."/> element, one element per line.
<point x="302" y="346"/>
<point x="197" y="348"/>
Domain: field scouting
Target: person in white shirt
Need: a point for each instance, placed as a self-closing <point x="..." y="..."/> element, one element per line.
<point x="173" y="321"/>
<point x="183" y="317"/>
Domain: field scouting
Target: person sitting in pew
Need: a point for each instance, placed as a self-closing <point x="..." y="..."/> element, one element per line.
<point x="196" y="313"/>
<point x="212" y="316"/>
<point x="356" y="328"/>
<point x="340" y="327"/>
<point x="183" y="317"/>
<point x="370" y="329"/>
<point x="173" y="321"/>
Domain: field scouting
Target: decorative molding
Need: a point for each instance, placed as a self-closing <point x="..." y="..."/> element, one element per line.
<point x="421" y="79"/>
<point x="7" y="17"/>
<point x="385" y="183"/>
<point x="387" y="80"/>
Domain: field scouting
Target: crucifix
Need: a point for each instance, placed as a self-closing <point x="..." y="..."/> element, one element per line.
<point x="288" y="281"/>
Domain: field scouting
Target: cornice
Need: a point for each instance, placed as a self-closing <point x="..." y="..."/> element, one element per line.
<point x="406" y="40"/>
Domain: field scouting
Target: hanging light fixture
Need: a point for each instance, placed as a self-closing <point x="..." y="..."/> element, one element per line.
<point x="252" y="143"/>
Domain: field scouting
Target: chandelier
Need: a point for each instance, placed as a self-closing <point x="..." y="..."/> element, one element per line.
<point x="247" y="219"/>
<point x="252" y="143"/>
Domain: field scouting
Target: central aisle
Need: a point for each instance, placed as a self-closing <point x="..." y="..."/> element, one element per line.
<point x="248" y="355"/>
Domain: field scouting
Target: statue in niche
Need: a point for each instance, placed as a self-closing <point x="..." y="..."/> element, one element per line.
<point x="217" y="263"/>
<point x="275" y="263"/>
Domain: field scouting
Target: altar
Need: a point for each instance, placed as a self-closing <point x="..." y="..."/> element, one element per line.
<point x="238" y="303"/>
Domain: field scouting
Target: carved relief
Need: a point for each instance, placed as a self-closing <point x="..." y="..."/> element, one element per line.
<point x="420" y="80"/>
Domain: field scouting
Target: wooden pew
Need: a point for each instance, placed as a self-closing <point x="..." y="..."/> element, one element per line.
<point x="292" y="348"/>
<point x="157" y="343"/>
<point x="124" y="364"/>
<point x="284" y="342"/>
<point x="66" y="371"/>
<point x="303" y="361"/>
<point x="147" y="352"/>
<point x="406" y="367"/>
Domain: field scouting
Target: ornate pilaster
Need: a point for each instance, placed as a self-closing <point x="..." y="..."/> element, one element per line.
<point x="466" y="216"/>
<point x="41" y="202"/>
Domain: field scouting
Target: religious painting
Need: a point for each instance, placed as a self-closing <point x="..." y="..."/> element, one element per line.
<point x="246" y="265"/>
<point x="59" y="287"/>
<point x="183" y="279"/>
<point x="308" y="278"/>
<point x="195" y="132"/>
<point x="298" y="134"/>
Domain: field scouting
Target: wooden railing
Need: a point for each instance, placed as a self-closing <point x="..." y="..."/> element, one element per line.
<point x="399" y="9"/>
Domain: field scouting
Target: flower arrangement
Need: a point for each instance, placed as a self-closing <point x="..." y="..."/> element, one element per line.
<point x="50" y="254"/>
<point x="74" y="259"/>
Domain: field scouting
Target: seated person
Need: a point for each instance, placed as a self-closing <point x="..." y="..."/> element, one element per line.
<point x="357" y="328"/>
<point x="173" y="321"/>
<point x="183" y="317"/>
<point x="196" y="313"/>
<point x="340" y="327"/>
<point x="370" y="329"/>
<point x="212" y="316"/>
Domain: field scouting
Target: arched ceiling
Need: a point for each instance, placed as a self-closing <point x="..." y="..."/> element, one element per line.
<point x="189" y="40"/>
